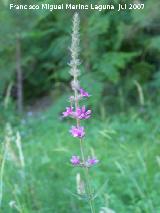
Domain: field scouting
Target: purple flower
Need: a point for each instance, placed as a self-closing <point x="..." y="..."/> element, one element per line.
<point x="83" y="93"/>
<point x="68" y="112"/>
<point x="81" y="113"/>
<point x="75" y="160"/>
<point x="77" y="132"/>
<point x="92" y="161"/>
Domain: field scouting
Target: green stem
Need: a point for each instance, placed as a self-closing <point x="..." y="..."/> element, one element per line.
<point x="2" y="171"/>
<point x="89" y="191"/>
<point x="86" y="171"/>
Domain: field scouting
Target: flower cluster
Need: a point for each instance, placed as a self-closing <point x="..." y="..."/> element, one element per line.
<point x="79" y="113"/>
<point x="75" y="161"/>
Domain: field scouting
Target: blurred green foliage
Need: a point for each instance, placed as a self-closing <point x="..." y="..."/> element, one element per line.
<point x="127" y="176"/>
<point x="117" y="48"/>
<point x="120" y="67"/>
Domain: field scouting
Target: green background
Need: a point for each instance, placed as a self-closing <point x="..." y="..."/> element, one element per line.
<point x="120" y="68"/>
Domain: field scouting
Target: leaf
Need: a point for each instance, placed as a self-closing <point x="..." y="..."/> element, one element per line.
<point x="58" y="48"/>
<point x="154" y="43"/>
<point x="156" y="80"/>
<point x="62" y="74"/>
<point x="94" y="86"/>
<point x="112" y="62"/>
<point x="100" y="190"/>
<point x="106" y="210"/>
<point x="120" y="35"/>
<point x="98" y="27"/>
<point x="81" y="197"/>
<point x="141" y="72"/>
<point x="148" y="15"/>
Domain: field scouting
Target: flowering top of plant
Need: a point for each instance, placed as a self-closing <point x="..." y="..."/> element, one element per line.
<point x="77" y="112"/>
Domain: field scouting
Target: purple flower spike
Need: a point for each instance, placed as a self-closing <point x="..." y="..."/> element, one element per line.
<point x="75" y="160"/>
<point x="83" y="93"/>
<point x="81" y="113"/>
<point x="92" y="161"/>
<point x="68" y="112"/>
<point x="77" y="132"/>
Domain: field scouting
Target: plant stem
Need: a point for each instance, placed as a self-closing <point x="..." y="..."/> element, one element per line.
<point x="2" y="171"/>
<point x="86" y="170"/>
<point x="87" y="179"/>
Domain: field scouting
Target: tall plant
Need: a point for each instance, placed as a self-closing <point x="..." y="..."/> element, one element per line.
<point x="78" y="112"/>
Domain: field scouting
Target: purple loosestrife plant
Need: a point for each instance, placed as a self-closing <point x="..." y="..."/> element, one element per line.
<point x="78" y="112"/>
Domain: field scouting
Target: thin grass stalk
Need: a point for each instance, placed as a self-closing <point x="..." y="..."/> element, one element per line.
<point x="4" y="156"/>
<point x="20" y="152"/>
<point x="8" y="95"/>
<point x="2" y="174"/>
